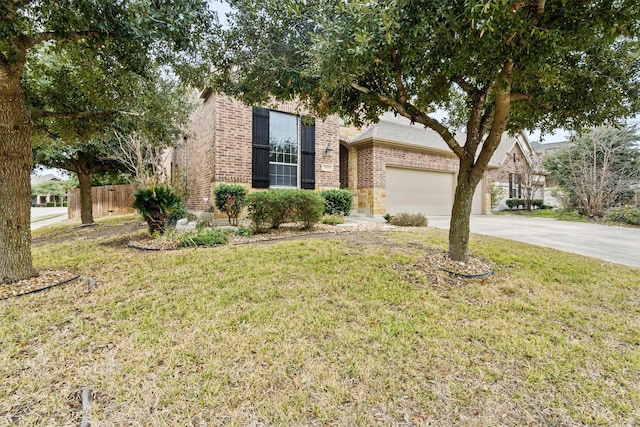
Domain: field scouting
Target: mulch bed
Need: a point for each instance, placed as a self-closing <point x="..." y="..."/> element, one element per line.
<point x="44" y="280"/>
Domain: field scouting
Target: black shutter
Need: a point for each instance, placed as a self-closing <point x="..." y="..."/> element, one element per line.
<point x="308" y="154"/>
<point x="260" y="152"/>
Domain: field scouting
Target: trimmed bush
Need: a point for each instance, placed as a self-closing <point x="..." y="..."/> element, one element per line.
<point x="156" y="205"/>
<point x="537" y="203"/>
<point x="624" y="214"/>
<point x="514" y="203"/>
<point x="275" y="207"/>
<point x="337" y="201"/>
<point x="230" y="199"/>
<point x="405" y="219"/>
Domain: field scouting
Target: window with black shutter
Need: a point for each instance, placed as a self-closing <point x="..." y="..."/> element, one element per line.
<point x="276" y="152"/>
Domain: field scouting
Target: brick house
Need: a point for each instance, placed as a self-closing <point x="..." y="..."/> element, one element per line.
<point x="390" y="167"/>
<point x="229" y="142"/>
<point x="396" y="166"/>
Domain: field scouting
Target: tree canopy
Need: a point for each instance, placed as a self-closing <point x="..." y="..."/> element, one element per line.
<point x="100" y="43"/>
<point x="494" y="66"/>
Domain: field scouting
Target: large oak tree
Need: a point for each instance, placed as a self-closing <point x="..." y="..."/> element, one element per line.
<point x="113" y="35"/>
<point x="494" y="65"/>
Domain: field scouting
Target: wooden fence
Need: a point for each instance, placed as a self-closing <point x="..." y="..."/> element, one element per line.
<point x="107" y="200"/>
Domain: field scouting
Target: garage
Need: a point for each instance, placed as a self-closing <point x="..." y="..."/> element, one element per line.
<point x="427" y="191"/>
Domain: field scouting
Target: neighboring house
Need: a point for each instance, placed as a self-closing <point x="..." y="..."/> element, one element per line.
<point x="43" y="199"/>
<point x="516" y="169"/>
<point x="553" y="196"/>
<point x="229" y="142"/>
<point x="391" y="167"/>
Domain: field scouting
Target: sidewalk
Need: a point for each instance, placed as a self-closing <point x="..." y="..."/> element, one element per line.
<point x="41" y="217"/>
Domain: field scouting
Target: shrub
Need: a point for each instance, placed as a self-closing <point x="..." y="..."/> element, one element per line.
<point x="333" y="219"/>
<point x="514" y="203"/>
<point x="50" y="204"/>
<point x="307" y="207"/>
<point x="387" y="217"/>
<point x="405" y="219"/>
<point x="230" y="199"/>
<point x="337" y="201"/>
<point x="156" y="204"/>
<point x="537" y="203"/>
<point x="210" y="237"/>
<point x="276" y="207"/>
<point x="624" y="214"/>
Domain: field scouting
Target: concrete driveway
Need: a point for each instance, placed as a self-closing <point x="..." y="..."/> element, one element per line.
<point x="616" y="244"/>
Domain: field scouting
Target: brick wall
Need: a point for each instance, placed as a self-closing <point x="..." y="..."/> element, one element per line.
<point x="218" y="148"/>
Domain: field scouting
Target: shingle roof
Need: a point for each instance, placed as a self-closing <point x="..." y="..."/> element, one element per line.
<point x="399" y="130"/>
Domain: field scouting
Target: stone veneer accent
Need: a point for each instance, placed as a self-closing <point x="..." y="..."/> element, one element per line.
<point x="372" y="160"/>
<point x="218" y="148"/>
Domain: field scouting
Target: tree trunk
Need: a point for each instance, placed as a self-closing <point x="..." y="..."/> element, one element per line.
<point x="16" y="162"/>
<point x="459" y="226"/>
<point x="86" y="201"/>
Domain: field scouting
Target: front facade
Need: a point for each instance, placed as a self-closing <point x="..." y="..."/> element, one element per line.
<point x="400" y="167"/>
<point x="229" y="142"/>
<point x="391" y="167"/>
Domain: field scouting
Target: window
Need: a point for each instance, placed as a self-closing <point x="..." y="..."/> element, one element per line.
<point x="283" y="144"/>
<point x="515" y="189"/>
<point x="283" y="150"/>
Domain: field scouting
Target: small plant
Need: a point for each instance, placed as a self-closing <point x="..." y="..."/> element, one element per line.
<point x="210" y="237"/>
<point x="624" y="214"/>
<point x="405" y="219"/>
<point x="156" y="205"/>
<point x="337" y="201"/>
<point x="230" y="199"/>
<point x="387" y="217"/>
<point x="333" y="219"/>
<point x="497" y="194"/>
<point x="244" y="231"/>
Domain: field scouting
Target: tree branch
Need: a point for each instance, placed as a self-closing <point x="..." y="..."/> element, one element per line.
<point x="464" y="85"/>
<point x="38" y="113"/>
<point x="28" y="42"/>
<point x="398" y="77"/>
<point x="415" y="115"/>
<point x="501" y="114"/>
<point x="518" y="97"/>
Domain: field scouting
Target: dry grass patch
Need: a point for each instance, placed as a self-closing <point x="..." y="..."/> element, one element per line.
<point x="322" y="331"/>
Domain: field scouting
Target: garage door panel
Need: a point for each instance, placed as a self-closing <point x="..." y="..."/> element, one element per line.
<point x="429" y="192"/>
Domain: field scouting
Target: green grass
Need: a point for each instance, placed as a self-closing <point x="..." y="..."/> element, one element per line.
<point x="544" y="213"/>
<point x="323" y="331"/>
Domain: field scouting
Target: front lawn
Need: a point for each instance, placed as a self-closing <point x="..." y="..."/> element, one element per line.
<point x="324" y="330"/>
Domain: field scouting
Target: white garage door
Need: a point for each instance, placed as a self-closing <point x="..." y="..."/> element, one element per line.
<point x="429" y="192"/>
